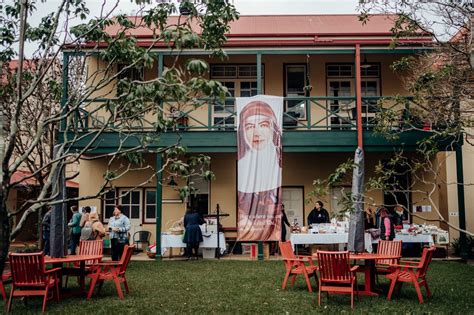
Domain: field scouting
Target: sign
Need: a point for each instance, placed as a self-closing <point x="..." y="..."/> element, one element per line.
<point x="259" y="150"/>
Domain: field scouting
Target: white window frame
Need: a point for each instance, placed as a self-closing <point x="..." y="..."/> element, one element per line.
<point x="145" y="218"/>
<point x="122" y="192"/>
<point x="237" y="79"/>
<point x="296" y="94"/>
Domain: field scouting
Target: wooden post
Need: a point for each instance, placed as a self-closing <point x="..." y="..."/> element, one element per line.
<point x="358" y="97"/>
<point x="158" y="200"/>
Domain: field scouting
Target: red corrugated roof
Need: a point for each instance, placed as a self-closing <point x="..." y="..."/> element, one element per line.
<point x="292" y="25"/>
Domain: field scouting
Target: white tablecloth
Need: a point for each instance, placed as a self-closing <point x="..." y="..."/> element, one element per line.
<point x="418" y="238"/>
<point x="209" y="241"/>
<point x="327" y="238"/>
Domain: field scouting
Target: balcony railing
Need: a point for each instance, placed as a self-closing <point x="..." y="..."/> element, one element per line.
<point x="302" y="113"/>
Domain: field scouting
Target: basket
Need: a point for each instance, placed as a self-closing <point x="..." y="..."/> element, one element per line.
<point x="150" y="254"/>
<point x="176" y="228"/>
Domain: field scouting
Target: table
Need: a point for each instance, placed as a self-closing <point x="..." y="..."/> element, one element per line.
<point x="209" y="241"/>
<point x="327" y="238"/>
<point x="59" y="261"/>
<point x="369" y="270"/>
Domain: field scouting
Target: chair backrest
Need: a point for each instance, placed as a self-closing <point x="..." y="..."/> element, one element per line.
<point x="95" y="247"/>
<point x="334" y="266"/>
<point x="125" y="259"/>
<point x="286" y="250"/>
<point x="389" y="248"/>
<point x="287" y="253"/>
<point x="425" y="261"/>
<point x="27" y="269"/>
<point x="143" y="236"/>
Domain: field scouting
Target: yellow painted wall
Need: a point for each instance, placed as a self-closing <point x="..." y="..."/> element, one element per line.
<point x="273" y="80"/>
<point x="299" y="169"/>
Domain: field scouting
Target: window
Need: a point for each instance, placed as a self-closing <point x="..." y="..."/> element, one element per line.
<point x="131" y="203"/>
<point x="109" y="202"/>
<point x="132" y="74"/>
<point x="340" y="70"/>
<point x="341" y="82"/>
<point x="342" y="110"/>
<point x="241" y="81"/>
<point x="200" y="200"/>
<point x="295" y="83"/>
<point x="150" y="205"/>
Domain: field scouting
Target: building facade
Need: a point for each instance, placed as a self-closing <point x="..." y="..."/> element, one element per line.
<point x="331" y="70"/>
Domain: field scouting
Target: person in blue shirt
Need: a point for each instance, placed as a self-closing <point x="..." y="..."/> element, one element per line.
<point x="75" y="225"/>
<point x="119" y="225"/>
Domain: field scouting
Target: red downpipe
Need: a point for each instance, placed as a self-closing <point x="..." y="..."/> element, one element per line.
<point x="358" y="97"/>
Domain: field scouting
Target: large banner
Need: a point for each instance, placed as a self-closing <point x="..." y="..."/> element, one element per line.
<point x="259" y="123"/>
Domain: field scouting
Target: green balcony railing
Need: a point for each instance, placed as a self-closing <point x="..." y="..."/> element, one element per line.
<point x="327" y="113"/>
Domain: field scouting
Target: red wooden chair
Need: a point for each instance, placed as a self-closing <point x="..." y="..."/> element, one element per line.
<point x="383" y="266"/>
<point x="336" y="274"/>
<point x="29" y="277"/>
<point x="112" y="270"/>
<point x="5" y="276"/>
<point x="412" y="271"/>
<point x="296" y="265"/>
<point x="86" y="248"/>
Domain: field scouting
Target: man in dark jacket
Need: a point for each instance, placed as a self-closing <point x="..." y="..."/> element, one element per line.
<point x="318" y="214"/>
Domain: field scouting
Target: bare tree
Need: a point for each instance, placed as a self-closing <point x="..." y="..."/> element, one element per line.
<point x="44" y="109"/>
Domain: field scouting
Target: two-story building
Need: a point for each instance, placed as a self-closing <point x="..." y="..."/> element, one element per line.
<point x="331" y="70"/>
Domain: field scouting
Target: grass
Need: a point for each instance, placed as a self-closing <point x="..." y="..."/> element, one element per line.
<point x="202" y="287"/>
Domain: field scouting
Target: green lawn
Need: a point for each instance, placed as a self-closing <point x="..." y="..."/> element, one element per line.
<point x="247" y="287"/>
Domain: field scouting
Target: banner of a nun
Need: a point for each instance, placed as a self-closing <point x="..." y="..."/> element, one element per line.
<point x="259" y="125"/>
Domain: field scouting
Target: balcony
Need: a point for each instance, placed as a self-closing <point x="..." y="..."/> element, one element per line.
<point x="320" y="113"/>
<point x="312" y="124"/>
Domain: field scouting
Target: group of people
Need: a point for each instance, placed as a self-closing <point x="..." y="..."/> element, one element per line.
<point x="88" y="226"/>
<point x="386" y="221"/>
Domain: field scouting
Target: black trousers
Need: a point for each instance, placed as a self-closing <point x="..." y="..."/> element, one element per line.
<point x="190" y="247"/>
<point x="117" y="249"/>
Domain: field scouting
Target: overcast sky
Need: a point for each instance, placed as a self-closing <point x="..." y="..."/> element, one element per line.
<point x="245" y="7"/>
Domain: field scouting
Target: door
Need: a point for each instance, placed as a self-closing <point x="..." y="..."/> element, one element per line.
<point x="343" y="111"/>
<point x="131" y="201"/>
<point x="292" y="198"/>
<point x="200" y="200"/>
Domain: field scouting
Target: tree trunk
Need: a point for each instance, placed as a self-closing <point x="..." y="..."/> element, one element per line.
<point x="4" y="232"/>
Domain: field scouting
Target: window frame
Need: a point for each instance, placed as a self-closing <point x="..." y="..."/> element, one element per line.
<point x="303" y="93"/>
<point x="237" y="79"/>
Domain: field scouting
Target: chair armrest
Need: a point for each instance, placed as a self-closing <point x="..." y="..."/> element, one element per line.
<point x="354" y="268"/>
<point x="408" y="262"/>
<point x="52" y="270"/>
<point x="295" y="259"/>
<point x="404" y="266"/>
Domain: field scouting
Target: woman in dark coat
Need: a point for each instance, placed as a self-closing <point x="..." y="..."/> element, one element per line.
<point x="192" y="234"/>
<point x="284" y="221"/>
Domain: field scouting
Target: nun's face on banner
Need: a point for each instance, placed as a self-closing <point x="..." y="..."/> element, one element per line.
<point x="258" y="131"/>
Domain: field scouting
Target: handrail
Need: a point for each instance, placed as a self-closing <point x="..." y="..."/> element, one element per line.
<point x="319" y="113"/>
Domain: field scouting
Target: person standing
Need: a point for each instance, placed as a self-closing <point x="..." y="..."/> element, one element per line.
<point x="318" y="214"/>
<point x="400" y="215"/>
<point x="193" y="233"/>
<point x="387" y="229"/>
<point x="46" y="224"/>
<point x="119" y="225"/>
<point x="284" y="221"/>
<point x="75" y="225"/>
<point x="85" y="215"/>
